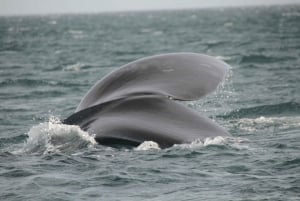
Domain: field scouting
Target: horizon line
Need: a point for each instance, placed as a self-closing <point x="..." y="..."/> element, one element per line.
<point x="145" y="10"/>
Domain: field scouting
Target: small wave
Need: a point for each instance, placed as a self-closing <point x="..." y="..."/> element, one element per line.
<point x="52" y="22"/>
<point x="77" y="34"/>
<point x="53" y="136"/>
<point x="223" y="58"/>
<point x="76" y="67"/>
<point x="255" y="58"/>
<point x="214" y="43"/>
<point x="252" y="124"/>
<point x="228" y="24"/>
<point x="157" y="33"/>
<point x="288" y="108"/>
<point x="238" y="143"/>
<point x="22" y="82"/>
<point x="291" y="14"/>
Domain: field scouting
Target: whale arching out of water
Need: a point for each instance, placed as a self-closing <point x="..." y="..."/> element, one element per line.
<point x="137" y="102"/>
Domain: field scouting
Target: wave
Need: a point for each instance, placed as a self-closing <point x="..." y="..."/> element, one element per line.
<point x="53" y="136"/>
<point x="224" y="58"/>
<point x="256" y="58"/>
<point x="214" y="43"/>
<point x="77" y="67"/>
<point x="288" y="108"/>
<point x="78" y="34"/>
<point x="23" y="82"/>
<point x="237" y="143"/>
<point x="263" y="123"/>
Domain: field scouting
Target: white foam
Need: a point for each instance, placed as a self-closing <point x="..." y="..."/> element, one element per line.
<point x="74" y="67"/>
<point x="52" y="22"/>
<point x="54" y="136"/>
<point x="77" y="34"/>
<point x="147" y="145"/>
<point x="228" y="24"/>
<point x="203" y="142"/>
<point x="252" y="124"/>
<point x="238" y="143"/>
<point x="234" y="142"/>
<point x="215" y="140"/>
<point x="223" y="58"/>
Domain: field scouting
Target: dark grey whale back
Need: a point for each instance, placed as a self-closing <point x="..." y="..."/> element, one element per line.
<point x="136" y="102"/>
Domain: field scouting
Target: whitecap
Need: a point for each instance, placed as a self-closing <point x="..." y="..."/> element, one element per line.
<point x="77" y="34"/>
<point x="145" y="30"/>
<point x="52" y="22"/>
<point x="228" y="24"/>
<point x="223" y="58"/>
<point x="74" y="67"/>
<point x="157" y="33"/>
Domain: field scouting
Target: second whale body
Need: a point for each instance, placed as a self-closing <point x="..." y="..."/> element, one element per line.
<point x="140" y="101"/>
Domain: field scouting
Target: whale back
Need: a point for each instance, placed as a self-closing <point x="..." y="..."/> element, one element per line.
<point x="135" y="103"/>
<point x="181" y="76"/>
<point x="133" y="120"/>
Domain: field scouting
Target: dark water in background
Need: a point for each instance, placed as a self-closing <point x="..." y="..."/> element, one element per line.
<point x="47" y="64"/>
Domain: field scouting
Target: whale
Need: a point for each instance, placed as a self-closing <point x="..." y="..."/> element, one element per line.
<point x="144" y="101"/>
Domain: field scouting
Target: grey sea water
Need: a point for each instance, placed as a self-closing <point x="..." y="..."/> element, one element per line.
<point x="48" y="63"/>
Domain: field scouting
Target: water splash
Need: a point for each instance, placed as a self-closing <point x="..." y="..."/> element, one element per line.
<point x="53" y="136"/>
<point x="147" y="145"/>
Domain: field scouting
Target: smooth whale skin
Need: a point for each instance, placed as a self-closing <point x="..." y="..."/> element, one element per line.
<point x="137" y="102"/>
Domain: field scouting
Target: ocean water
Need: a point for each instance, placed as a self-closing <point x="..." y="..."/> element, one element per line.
<point x="48" y="63"/>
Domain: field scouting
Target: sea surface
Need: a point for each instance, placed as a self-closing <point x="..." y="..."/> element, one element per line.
<point x="48" y="63"/>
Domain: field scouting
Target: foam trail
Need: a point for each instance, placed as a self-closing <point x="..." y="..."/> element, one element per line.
<point x="53" y="136"/>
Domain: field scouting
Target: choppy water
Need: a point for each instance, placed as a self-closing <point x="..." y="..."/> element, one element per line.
<point x="47" y="63"/>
